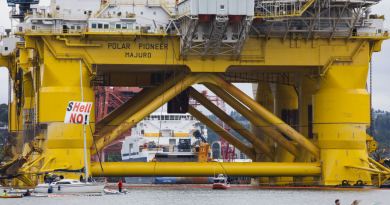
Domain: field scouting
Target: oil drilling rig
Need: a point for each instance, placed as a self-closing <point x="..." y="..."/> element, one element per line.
<point x="307" y="60"/>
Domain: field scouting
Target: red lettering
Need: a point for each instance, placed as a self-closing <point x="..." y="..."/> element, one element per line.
<point x="72" y="118"/>
<point x="79" y="118"/>
<point x="89" y="107"/>
<point x="76" y="107"/>
<point x="82" y="108"/>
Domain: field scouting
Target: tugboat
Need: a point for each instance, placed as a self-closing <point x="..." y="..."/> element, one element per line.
<point x="221" y="182"/>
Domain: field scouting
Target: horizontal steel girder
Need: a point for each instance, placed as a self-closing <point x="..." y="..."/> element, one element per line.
<point x="204" y="169"/>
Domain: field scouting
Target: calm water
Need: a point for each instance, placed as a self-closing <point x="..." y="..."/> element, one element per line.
<point x="201" y="196"/>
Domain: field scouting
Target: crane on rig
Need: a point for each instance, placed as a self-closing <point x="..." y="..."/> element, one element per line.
<point x="227" y="150"/>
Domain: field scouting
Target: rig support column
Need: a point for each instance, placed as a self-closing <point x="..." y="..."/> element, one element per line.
<point x="61" y="84"/>
<point x="306" y="89"/>
<point x="286" y="102"/>
<point x="341" y="116"/>
<point x="262" y="94"/>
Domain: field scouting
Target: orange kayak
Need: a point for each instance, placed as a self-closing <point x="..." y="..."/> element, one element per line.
<point x="10" y="197"/>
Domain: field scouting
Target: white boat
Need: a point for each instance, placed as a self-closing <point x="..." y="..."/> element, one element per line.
<point x="70" y="186"/>
<point x="163" y="137"/>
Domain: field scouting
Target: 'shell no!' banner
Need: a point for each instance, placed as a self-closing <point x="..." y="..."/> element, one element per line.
<point x="78" y="112"/>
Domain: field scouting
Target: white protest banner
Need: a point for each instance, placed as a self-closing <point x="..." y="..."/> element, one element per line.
<point x="78" y="112"/>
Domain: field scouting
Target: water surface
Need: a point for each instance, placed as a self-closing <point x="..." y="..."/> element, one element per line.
<point x="202" y="196"/>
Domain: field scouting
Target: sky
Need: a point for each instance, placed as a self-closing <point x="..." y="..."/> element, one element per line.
<point x="381" y="71"/>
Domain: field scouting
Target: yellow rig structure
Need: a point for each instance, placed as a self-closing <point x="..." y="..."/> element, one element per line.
<point x="308" y="63"/>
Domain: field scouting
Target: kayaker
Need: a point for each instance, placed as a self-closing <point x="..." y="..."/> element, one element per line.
<point x="27" y="193"/>
<point x="356" y="202"/>
<point x="4" y="193"/>
<point x="45" y="178"/>
<point x="120" y="185"/>
<point x="90" y="178"/>
<point x="337" y="202"/>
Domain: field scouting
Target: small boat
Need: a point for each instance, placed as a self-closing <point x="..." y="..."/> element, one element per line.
<point x="110" y="191"/>
<point x="70" y="186"/>
<point x="10" y="197"/>
<point x="221" y="182"/>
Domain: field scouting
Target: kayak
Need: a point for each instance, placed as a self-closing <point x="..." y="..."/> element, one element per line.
<point x="9" y="197"/>
<point x="110" y="191"/>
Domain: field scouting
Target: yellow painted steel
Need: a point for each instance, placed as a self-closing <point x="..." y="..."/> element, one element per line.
<point x="204" y="169"/>
<point x="262" y="94"/>
<point x="221" y="132"/>
<point x="266" y="115"/>
<point x="133" y="105"/>
<point x="145" y="111"/>
<point x="231" y="122"/>
<point x="341" y="116"/>
<point x="306" y="88"/>
<point x="340" y="105"/>
<point x="286" y="99"/>
<point x="252" y="117"/>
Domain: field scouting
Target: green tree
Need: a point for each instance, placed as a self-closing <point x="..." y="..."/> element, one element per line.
<point x="382" y="132"/>
<point x="4" y="113"/>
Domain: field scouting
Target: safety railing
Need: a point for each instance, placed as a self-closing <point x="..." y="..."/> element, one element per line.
<point x="116" y="16"/>
<point x="327" y="34"/>
<point x="282" y="9"/>
<point x="139" y="2"/>
<point x="92" y="30"/>
<point x="59" y="15"/>
<point x="113" y="30"/>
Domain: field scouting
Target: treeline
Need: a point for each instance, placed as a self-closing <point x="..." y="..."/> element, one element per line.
<point x="382" y="132"/>
<point x="4" y="113"/>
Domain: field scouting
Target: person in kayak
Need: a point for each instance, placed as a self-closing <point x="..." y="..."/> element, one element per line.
<point x="4" y="193"/>
<point x="337" y="202"/>
<point x="90" y="179"/>
<point x="27" y="193"/>
<point x="120" y="185"/>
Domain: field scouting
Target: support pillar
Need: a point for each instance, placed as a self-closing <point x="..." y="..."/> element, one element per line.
<point x="61" y="84"/>
<point x="341" y="116"/>
<point x="285" y="100"/>
<point x="262" y="94"/>
<point x="306" y="89"/>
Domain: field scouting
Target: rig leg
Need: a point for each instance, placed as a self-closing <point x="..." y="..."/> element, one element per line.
<point x="61" y="84"/>
<point x="306" y="88"/>
<point x="341" y="117"/>
<point x="286" y="105"/>
<point x="262" y="94"/>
